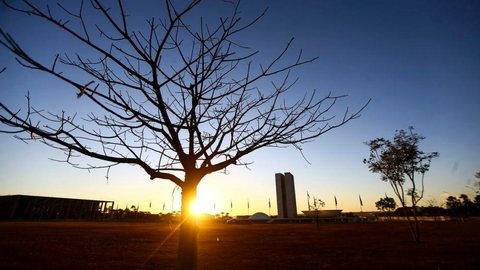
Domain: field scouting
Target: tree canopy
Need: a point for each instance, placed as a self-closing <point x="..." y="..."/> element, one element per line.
<point x="399" y="161"/>
<point x="386" y="204"/>
<point x="195" y="115"/>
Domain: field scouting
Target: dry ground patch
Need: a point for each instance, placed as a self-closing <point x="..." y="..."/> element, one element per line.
<point x="108" y="245"/>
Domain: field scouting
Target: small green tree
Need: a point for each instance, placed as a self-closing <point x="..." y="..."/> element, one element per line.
<point x="386" y="204"/>
<point x="318" y="204"/>
<point x="400" y="162"/>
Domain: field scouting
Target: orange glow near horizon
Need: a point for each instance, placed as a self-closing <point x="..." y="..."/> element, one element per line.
<point x="202" y="205"/>
<point x="195" y="207"/>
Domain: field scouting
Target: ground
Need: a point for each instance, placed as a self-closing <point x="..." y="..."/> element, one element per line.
<point x="109" y="245"/>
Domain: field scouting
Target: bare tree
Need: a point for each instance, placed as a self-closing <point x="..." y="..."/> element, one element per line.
<point x="178" y="120"/>
<point x="399" y="161"/>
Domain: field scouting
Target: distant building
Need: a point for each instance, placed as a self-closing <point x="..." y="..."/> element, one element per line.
<point x="286" y="202"/>
<point x="259" y="216"/>
<point x="37" y="207"/>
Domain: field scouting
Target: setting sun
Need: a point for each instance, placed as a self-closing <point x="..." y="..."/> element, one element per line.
<point x="201" y="206"/>
<point x="195" y="207"/>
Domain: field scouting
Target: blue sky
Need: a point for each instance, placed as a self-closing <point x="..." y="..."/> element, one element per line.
<point x="417" y="60"/>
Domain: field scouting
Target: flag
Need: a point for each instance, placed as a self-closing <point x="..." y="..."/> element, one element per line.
<point x="150" y="205"/>
<point x="269" y="204"/>
<point x="163" y="206"/>
<point x="308" y="201"/>
<point x="335" y="200"/>
<point x="360" y="198"/>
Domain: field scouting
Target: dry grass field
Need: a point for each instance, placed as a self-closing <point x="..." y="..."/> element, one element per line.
<point x="105" y="245"/>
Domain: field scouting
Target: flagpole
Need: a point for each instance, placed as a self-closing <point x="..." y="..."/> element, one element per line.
<point x="308" y="201"/>
<point x="269" y="207"/>
<point x="361" y="203"/>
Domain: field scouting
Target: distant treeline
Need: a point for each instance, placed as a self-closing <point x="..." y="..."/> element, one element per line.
<point x="462" y="206"/>
<point x="134" y="215"/>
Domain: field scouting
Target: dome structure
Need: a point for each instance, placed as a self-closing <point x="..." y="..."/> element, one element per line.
<point x="259" y="216"/>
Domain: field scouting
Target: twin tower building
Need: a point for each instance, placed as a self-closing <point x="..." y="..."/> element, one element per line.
<point x="286" y="202"/>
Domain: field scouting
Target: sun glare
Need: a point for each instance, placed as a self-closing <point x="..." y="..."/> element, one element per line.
<point x="202" y="206"/>
<point x="195" y="207"/>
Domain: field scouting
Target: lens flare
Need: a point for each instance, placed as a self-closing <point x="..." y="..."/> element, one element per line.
<point x="195" y="208"/>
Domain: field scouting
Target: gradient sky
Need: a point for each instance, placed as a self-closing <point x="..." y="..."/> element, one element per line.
<point x="419" y="62"/>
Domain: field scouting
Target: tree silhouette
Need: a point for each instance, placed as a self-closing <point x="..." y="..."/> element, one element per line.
<point x="399" y="161"/>
<point x="318" y="204"/>
<point x="476" y="184"/>
<point x="386" y="204"/>
<point x="180" y="99"/>
<point x="462" y="206"/>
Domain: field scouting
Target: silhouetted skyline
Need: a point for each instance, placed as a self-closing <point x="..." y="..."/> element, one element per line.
<point x="418" y="62"/>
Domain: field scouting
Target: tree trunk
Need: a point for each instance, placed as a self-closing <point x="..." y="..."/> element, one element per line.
<point x="187" y="245"/>
<point x="414" y="226"/>
<point x="417" y="225"/>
